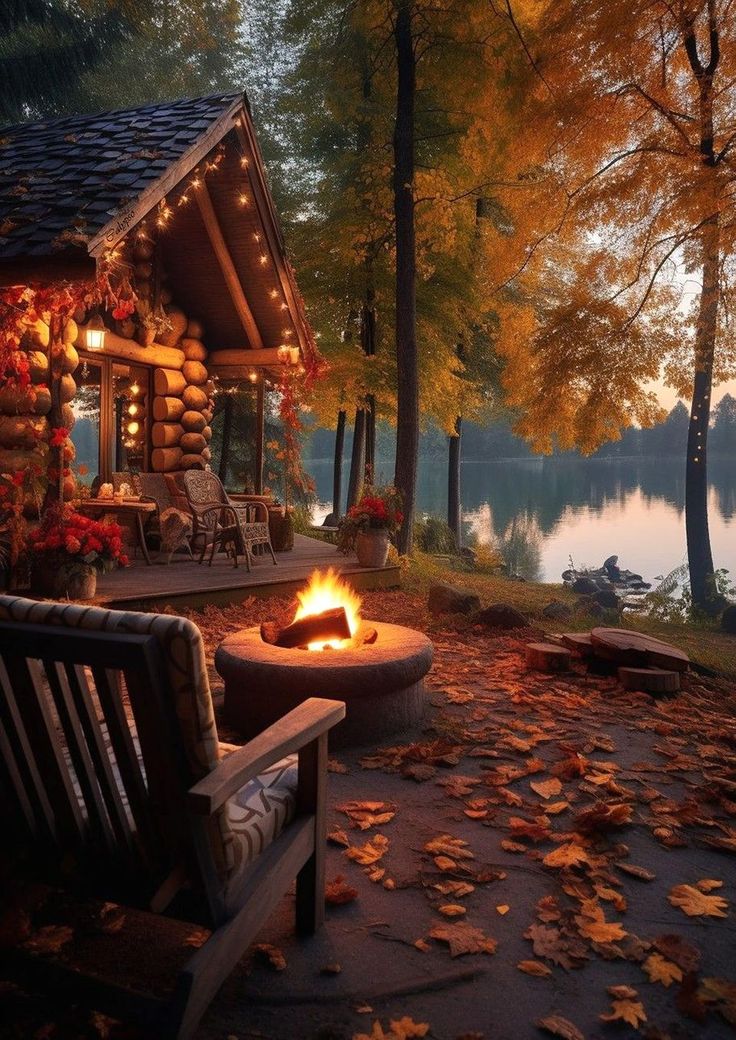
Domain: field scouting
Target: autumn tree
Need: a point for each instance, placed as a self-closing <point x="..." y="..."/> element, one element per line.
<point x="619" y="190"/>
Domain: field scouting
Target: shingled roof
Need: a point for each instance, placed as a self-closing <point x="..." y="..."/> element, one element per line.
<point x="62" y="180"/>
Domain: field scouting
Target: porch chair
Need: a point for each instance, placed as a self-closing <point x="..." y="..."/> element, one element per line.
<point x="173" y="526"/>
<point x="221" y="523"/>
<point x="111" y="765"/>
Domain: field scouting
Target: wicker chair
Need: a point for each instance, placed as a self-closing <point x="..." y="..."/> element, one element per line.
<point x="220" y="523"/>
<point x="173" y="526"/>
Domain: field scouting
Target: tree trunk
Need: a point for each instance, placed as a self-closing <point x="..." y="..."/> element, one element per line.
<point x="700" y="557"/>
<point x="407" y="374"/>
<point x="357" y="459"/>
<point x="368" y="343"/>
<point x="227" y="429"/>
<point x="453" y="483"/>
<point x="337" y="470"/>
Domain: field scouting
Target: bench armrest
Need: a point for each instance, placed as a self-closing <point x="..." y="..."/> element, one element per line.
<point x="294" y="731"/>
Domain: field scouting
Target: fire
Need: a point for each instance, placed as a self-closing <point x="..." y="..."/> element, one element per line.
<point x="325" y="591"/>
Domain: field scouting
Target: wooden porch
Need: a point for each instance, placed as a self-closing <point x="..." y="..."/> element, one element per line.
<point x="186" y="583"/>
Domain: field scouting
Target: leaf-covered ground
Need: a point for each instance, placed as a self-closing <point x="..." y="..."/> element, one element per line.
<point x="546" y="856"/>
<point x="549" y="854"/>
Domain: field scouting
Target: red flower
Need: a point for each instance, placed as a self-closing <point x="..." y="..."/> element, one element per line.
<point x="19" y="478"/>
<point x="59" y="435"/>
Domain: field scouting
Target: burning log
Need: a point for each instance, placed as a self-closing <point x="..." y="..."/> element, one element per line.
<point x="314" y="628"/>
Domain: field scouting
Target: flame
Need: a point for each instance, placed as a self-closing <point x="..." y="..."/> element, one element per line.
<point x="325" y="591"/>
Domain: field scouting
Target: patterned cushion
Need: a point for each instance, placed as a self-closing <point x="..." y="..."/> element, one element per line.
<point x="183" y="651"/>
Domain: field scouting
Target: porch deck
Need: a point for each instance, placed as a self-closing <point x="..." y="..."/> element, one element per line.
<point x="185" y="583"/>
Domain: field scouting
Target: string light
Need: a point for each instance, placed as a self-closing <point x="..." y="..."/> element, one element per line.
<point x="243" y="199"/>
<point x="273" y="293"/>
<point x="263" y="258"/>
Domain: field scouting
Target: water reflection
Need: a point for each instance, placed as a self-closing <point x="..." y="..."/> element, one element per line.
<point x="545" y="510"/>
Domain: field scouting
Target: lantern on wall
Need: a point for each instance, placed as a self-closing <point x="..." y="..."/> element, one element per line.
<point x="95" y="333"/>
<point x="294" y="355"/>
<point x="283" y="353"/>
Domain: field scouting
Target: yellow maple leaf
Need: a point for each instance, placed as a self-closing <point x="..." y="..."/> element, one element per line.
<point x="546" y="788"/>
<point x="695" y="903"/>
<point x="568" y="855"/>
<point x="369" y="853"/>
<point x="659" y="969"/>
<point x="630" y="1011"/>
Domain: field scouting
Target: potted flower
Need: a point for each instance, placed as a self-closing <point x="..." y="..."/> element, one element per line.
<point x="368" y="526"/>
<point x="152" y="323"/>
<point x="68" y="549"/>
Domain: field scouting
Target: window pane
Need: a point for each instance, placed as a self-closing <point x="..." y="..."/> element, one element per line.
<point x="129" y="400"/>
<point x="234" y="434"/>
<point x="85" y="433"/>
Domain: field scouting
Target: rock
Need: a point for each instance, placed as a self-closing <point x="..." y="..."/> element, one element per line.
<point x="449" y="599"/>
<point x="501" y="615"/>
<point x="557" y="610"/>
<point x="606" y="598"/>
<point x="728" y="619"/>
<point x="584" y="585"/>
<point x="468" y="554"/>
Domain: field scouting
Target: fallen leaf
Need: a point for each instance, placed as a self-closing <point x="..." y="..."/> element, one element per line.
<point x="503" y="909"/>
<point x="339" y="837"/>
<point x="369" y="853"/>
<point x="463" y="938"/>
<point x="446" y="845"/>
<point x="722" y="994"/>
<point x="626" y="1010"/>
<point x="454" y="888"/>
<point x="695" y="903"/>
<point x="661" y="970"/>
<point x="331" y="969"/>
<point x="602" y="817"/>
<point x="338" y="892"/>
<point x="534" y="968"/>
<point x="367" y="814"/>
<point x="49" y="939"/>
<point x="638" y="872"/>
<point x="677" y="949"/>
<point x="546" y="788"/>
<point x="452" y="910"/>
<point x="270" y="955"/>
<point x="569" y="855"/>
<point x="559" y="1026"/>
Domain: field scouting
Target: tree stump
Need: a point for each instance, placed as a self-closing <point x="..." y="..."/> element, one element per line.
<point x="546" y="657"/>
<point x="579" y="642"/>
<point x="650" y="680"/>
<point x="637" y="650"/>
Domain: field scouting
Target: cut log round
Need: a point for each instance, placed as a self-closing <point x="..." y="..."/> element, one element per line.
<point x="546" y="657"/>
<point x="194" y="349"/>
<point x="650" y="680"/>
<point x="21" y="431"/>
<point x="208" y="413"/>
<point x="39" y="366"/>
<point x="13" y="460"/>
<point x="195" y="329"/>
<point x="168" y="409"/>
<point x="209" y="387"/>
<point x="192" y="443"/>
<point x="166" y="435"/>
<point x="71" y="331"/>
<point x="68" y="418"/>
<point x="637" y="650"/>
<point x="207" y="454"/>
<point x="194" y="372"/>
<point x="70" y="360"/>
<point x="167" y="382"/>
<point x="31" y="400"/>
<point x="67" y="388"/>
<point x="193" y="461"/>
<point x="579" y="642"/>
<point x="179" y="323"/>
<point x="194" y="398"/>
<point x="207" y="433"/>
<point x="165" y="459"/>
<point x="193" y="422"/>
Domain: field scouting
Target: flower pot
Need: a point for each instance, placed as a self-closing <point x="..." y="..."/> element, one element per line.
<point x="71" y="580"/>
<point x="371" y="547"/>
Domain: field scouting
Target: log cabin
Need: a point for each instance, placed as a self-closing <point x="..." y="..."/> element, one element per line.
<point x="172" y="201"/>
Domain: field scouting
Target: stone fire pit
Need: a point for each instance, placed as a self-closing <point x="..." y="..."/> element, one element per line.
<point x="380" y="682"/>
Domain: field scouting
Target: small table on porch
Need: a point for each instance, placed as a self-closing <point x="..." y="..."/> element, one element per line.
<point x="132" y="508"/>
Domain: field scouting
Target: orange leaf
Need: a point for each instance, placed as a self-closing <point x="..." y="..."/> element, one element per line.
<point x="534" y="968"/>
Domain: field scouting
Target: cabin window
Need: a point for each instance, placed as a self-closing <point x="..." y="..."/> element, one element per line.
<point x="111" y="426"/>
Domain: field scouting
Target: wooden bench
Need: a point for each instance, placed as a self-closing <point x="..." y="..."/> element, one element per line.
<point x="111" y="761"/>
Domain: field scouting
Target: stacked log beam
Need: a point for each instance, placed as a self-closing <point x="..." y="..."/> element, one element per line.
<point x="183" y="404"/>
<point x="24" y="423"/>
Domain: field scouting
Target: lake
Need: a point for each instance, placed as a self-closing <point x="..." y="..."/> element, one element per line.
<point x="545" y="511"/>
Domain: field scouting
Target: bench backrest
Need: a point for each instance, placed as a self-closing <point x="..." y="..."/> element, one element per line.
<point x="106" y="720"/>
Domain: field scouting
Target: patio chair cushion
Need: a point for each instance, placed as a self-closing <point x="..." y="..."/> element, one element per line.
<point x="183" y="653"/>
